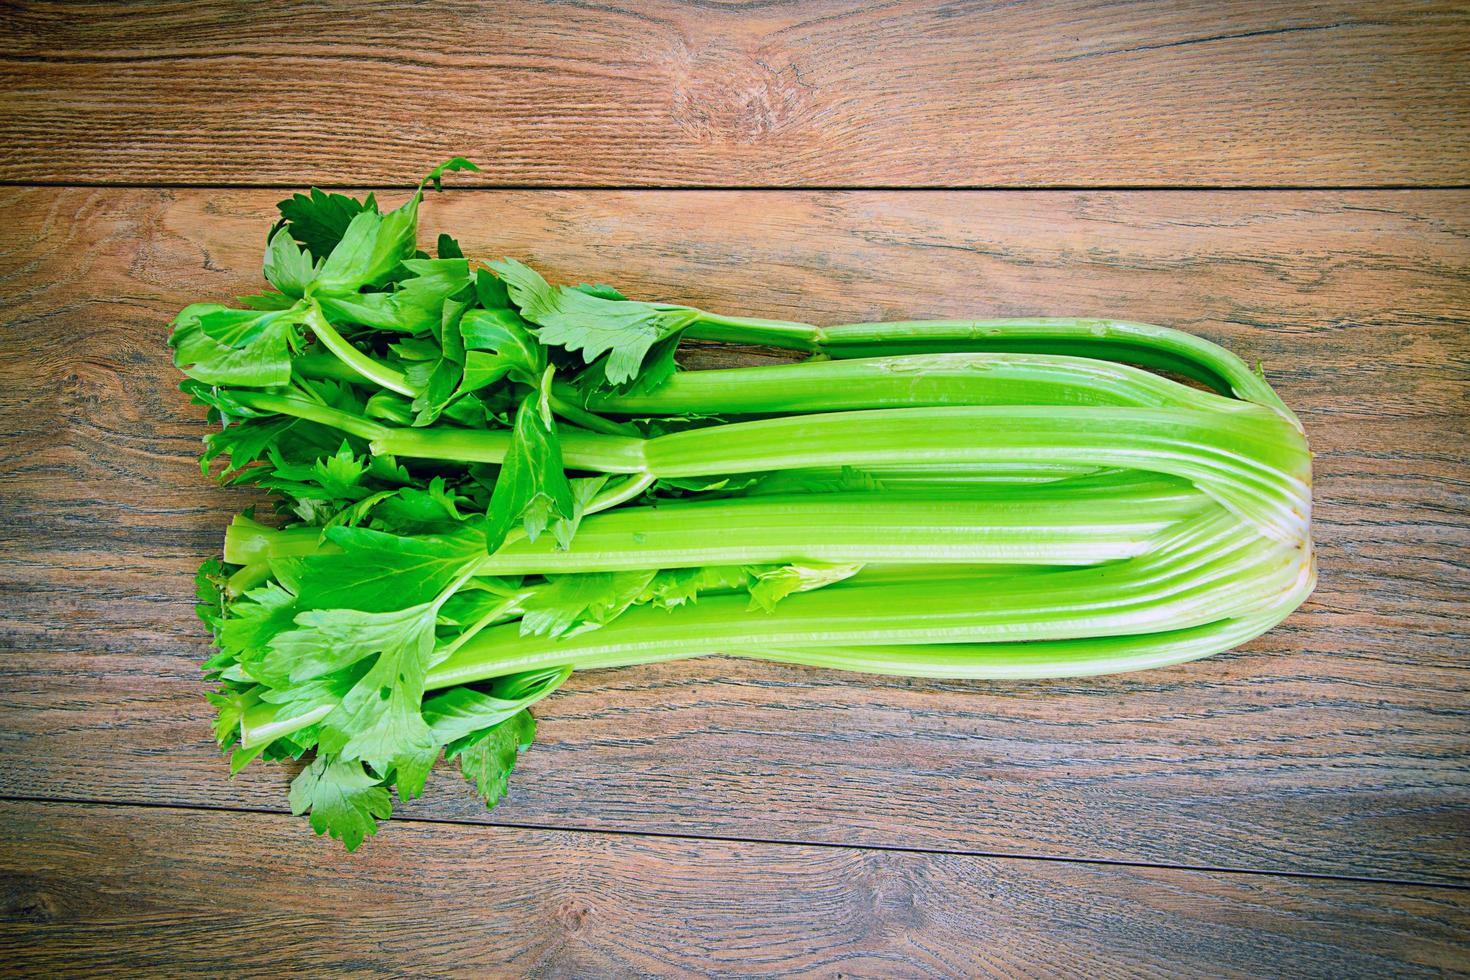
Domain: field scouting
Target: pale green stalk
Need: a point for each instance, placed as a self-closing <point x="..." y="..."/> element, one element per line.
<point x="354" y="359"/>
<point x="913" y="381"/>
<point x="1250" y="460"/>
<point x="1064" y="523"/>
<point x="1066" y="605"/>
<point x="1145" y="344"/>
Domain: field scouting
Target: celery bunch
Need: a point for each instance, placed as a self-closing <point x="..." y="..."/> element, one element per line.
<point x="485" y="481"/>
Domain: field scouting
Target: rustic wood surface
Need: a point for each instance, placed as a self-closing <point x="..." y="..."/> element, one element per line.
<point x="436" y="900"/>
<point x="1335" y="745"/>
<point x="1300" y="806"/>
<point x="1072" y="92"/>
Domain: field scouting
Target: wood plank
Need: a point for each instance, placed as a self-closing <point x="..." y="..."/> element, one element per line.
<point x="903" y="93"/>
<point x="100" y="890"/>
<point x="1336" y="744"/>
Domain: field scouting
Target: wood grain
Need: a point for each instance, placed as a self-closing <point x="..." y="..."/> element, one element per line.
<point x="1337" y="744"/>
<point x="98" y="890"/>
<point x="1068" y="92"/>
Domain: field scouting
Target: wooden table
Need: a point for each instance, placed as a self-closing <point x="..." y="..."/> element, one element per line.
<point x="1288" y="181"/>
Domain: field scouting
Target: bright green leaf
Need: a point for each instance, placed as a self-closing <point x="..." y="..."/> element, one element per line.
<point x="774" y="584"/>
<point x="262" y="363"/>
<point x="343" y="800"/>
<point x="327" y="640"/>
<point x="371" y="250"/>
<point x="592" y="323"/>
<point x="379" y="572"/>
<point x="571" y="604"/>
<point x="287" y="266"/>
<point x="318" y="220"/>
<point x="532" y="489"/>
<point x="462" y="711"/>
<point x="487" y="758"/>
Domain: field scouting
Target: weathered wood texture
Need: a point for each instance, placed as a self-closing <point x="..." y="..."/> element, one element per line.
<point x="100" y="890"/>
<point x="1072" y="92"/>
<point x="1336" y="744"/>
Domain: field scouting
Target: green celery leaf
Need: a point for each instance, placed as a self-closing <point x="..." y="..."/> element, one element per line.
<point x="436" y="384"/>
<point x="342" y="473"/>
<point x="371" y="250"/>
<point x="417" y="349"/>
<point x="490" y="291"/>
<point x="497" y="344"/>
<point x="224" y="407"/>
<point x="389" y="470"/>
<point x="262" y="363"/>
<point x="469" y="411"/>
<point x="421" y="510"/>
<point x="658" y="367"/>
<point x="584" y="491"/>
<point x="327" y="640"/>
<point x="379" y="572"/>
<point x="592" y="324"/>
<point x="678" y="486"/>
<point x="208" y="589"/>
<point x="253" y="621"/>
<point x="439" y="386"/>
<point x="379" y="719"/>
<point x="436" y="278"/>
<point x="316" y="511"/>
<point x="318" y="219"/>
<point x="287" y="266"/>
<point x="676" y="586"/>
<point x="448" y="248"/>
<point x="241" y="328"/>
<point x="571" y="604"/>
<point x="390" y="407"/>
<point x="413" y="308"/>
<point x="355" y="513"/>
<point x="452" y="164"/>
<point x="344" y="801"/>
<point x="229" y="706"/>
<point x="287" y="571"/>
<point x="471" y="604"/>
<point x="302" y="697"/>
<point x="336" y="476"/>
<point x="374" y="246"/>
<point x="420" y="299"/>
<point x="411" y="770"/>
<point x="242" y="757"/>
<point x="376" y="310"/>
<point x="586" y="488"/>
<point x="543" y="680"/>
<point x="487" y="758"/>
<point x="462" y="711"/>
<point x="599" y="289"/>
<point x="771" y="585"/>
<point x="245" y="441"/>
<point x="325" y="478"/>
<point x="481" y="370"/>
<point x="292" y="746"/>
<point x="266" y="301"/>
<point x="532" y="487"/>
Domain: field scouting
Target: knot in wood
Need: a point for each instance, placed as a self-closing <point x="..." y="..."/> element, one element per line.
<point x="573" y="914"/>
<point x="723" y="94"/>
<point x="27" y="903"/>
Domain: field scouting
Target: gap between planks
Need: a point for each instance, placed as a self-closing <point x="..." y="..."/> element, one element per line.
<point x="771" y="841"/>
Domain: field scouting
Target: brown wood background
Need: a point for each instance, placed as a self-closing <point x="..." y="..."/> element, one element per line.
<point x="1067" y="92"/>
<point x="1299" y="806"/>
